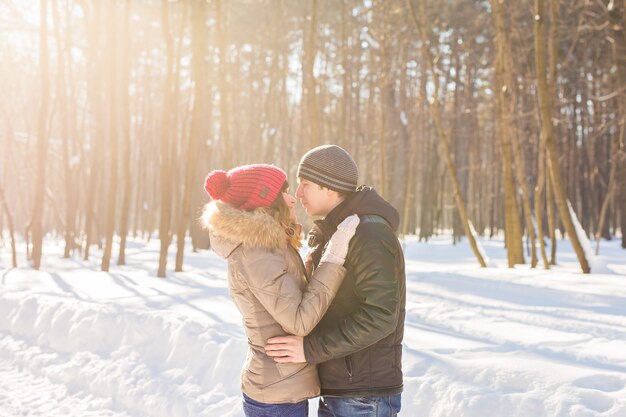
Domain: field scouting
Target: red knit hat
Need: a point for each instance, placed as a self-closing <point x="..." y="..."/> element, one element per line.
<point x="246" y="187"/>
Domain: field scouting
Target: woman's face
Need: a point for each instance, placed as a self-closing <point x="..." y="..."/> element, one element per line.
<point x="291" y="203"/>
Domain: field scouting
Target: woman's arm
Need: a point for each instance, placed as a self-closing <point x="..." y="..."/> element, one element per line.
<point x="298" y="312"/>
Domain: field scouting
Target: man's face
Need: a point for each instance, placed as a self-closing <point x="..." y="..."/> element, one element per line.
<point x="314" y="198"/>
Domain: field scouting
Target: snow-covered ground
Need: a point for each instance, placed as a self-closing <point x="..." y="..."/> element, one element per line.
<point x="493" y="342"/>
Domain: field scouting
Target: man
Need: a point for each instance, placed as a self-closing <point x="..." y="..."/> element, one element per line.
<point x="358" y="343"/>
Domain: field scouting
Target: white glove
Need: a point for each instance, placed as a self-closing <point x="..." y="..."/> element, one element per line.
<point x="337" y="248"/>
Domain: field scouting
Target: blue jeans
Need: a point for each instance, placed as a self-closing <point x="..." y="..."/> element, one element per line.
<point x="387" y="406"/>
<point x="253" y="408"/>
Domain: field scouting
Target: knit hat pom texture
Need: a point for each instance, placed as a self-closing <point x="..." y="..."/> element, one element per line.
<point x="216" y="184"/>
<point x="246" y="187"/>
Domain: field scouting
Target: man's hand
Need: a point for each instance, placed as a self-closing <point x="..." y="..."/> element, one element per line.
<point x="286" y="349"/>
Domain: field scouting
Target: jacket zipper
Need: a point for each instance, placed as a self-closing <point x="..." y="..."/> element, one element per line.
<point x="349" y="366"/>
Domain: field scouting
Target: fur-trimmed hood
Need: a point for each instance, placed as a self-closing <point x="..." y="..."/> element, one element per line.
<point x="230" y="227"/>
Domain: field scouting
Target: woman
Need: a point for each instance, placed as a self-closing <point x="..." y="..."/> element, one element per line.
<point x="252" y="223"/>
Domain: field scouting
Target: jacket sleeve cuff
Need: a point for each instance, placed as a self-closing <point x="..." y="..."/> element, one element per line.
<point x="309" y="354"/>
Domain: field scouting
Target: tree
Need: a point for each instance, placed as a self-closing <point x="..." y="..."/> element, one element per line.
<point x="42" y="137"/>
<point x="547" y="131"/>
<point x="310" y="124"/>
<point x="125" y="134"/>
<point x="113" y="138"/>
<point x="505" y="129"/>
<point x="277" y="80"/>
<point x="7" y="213"/>
<point x="95" y="24"/>
<point x="224" y="125"/>
<point x="199" y="42"/>
<point x="64" y="116"/>
<point x="420" y="21"/>
<point x="617" y="18"/>
<point x="166" y="156"/>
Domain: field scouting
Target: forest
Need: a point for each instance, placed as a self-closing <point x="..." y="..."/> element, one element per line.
<point x="472" y="117"/>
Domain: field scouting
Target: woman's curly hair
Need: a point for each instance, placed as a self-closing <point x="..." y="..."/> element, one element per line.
<point x="280" y="212"/>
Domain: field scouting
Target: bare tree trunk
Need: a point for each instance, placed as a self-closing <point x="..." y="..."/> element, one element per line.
<point x="165" y="168"/>
<point x="505" y="129"/>
<point x="199" y="45"/>
<point x="386" y="136"/>
<point x="429" y="194"/>
<point x="547" y="130"/>
<point x="309" y="84"/>
<point x="309" y="88"/>
<point x="225" y="140"/>
<point x="346" y="77"/>
<point x="622" y="198"/>
<point x="179" y="131"/>
<point x="63" y="115"/>
<point x="553" y="58"/>
<point x="551" y="218"/>
<point x="511" y="130"/>
<point x="125" y="113"/>
<point x="94" y="33"/>
<point x="617" y="18"/>
<point x="541" y="176"/>
<point x="539" y="189"/>
<point x="113" y="133"/>
<point x="512" y="226"/>
<point x="42" y="138"/>
<point x="408" y="211"/>
<point x="76" y="151"/>
<point x="611" y="188"/>
<point x="421" y="24"/>
<point x="5" y="208"/>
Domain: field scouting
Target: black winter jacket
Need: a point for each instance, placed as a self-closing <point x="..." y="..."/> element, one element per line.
<point x="358" y="343"/>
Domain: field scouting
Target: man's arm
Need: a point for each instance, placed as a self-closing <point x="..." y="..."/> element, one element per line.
<point x="278" y="290"/>
<point x="372" y="262"/>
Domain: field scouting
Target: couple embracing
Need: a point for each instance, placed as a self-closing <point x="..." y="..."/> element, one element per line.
<point x="331" y="325"/>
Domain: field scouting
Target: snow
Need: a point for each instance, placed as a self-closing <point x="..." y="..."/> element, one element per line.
<point x="367" y="38"/>
<point x="479" y="342"/>
<point x="403" y="118"/>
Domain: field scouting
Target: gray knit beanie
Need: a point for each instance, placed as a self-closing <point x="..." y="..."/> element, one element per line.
<point x="329" y="166"/>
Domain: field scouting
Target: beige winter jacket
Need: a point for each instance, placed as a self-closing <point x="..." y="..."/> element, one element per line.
<point x="268" y="283"/>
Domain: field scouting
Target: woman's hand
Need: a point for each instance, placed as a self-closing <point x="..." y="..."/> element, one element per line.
<point x="286" y="349"/>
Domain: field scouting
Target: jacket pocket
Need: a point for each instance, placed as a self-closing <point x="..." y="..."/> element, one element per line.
<point x="348" y="361"/>
<point x="360" y="367"/>
<point x="285" y="370"/>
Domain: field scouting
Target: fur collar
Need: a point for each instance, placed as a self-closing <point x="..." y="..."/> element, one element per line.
<point x="252" y="229"/>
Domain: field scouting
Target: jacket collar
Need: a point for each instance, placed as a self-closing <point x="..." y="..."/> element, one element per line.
<point x="230" y="228"/>
<point x="364" y="201"/>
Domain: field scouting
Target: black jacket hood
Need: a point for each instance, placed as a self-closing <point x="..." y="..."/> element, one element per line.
<point x="363" y="201"/>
